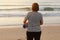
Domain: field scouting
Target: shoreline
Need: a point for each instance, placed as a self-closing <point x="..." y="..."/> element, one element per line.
<point x="20" y="26"/>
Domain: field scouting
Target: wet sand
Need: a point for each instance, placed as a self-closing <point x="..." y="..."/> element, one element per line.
<point x="49" y="32"/>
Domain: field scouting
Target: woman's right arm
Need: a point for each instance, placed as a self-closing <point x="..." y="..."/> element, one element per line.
<point x="41" y="21"/>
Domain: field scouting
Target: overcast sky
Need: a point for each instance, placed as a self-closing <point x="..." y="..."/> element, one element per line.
<point x="29" y="0"/>
<point x="26" y="2"/>
<point x="2" y="2"/>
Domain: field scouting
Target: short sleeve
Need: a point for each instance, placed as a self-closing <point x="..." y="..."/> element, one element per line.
<point x="41" y="16"/>
<point x="27" y="16"/>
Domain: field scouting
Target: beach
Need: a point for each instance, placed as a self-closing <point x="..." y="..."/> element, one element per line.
<point x="12" y="14"/>
<point x="11" y="26"/>
<point x="12" y="33"/>
<point x="49" y="32"/>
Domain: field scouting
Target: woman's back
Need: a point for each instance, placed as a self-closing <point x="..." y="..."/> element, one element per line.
<point x="34" y="21"/>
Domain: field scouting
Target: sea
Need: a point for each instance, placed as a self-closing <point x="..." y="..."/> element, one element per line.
<point x="14" y="18"/>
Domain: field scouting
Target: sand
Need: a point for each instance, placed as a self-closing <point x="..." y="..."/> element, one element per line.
<point x="51" y="32"/>
<point x="48" y="33"/>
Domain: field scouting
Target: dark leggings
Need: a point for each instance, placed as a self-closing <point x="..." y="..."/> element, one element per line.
<point x="35" y="35"/>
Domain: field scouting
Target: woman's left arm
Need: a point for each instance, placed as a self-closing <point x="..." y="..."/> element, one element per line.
<point x="24" y="21"/>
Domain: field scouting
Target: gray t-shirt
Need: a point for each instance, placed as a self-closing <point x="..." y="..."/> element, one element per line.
<point x="34" y="21"/>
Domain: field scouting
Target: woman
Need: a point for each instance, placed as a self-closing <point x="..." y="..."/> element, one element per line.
<point x="34" y="19"/>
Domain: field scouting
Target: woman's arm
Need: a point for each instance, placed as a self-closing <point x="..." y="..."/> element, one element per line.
<point x="41" y="21"/>
<point x="25" y="23"/>
<point x="25" y="20"/>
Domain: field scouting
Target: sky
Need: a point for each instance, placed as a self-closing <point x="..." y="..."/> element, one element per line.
<point x="18" y="2"/>
<point x="26" y="2"/>
<point x="29" y="0"/>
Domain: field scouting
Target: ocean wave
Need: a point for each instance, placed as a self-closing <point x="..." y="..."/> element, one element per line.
<point x="19" y="15"/>
<point x="51" y="14"/>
